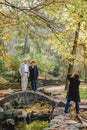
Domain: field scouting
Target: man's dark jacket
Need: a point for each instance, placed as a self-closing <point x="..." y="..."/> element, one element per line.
<point x="73" y="92"/>
<point x="33" y="72"/>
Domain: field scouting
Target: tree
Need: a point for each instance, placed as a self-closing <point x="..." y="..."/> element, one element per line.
<point x="63" y="21"/>
<point x="73" y="52"/>
<point x="67" y="38"/>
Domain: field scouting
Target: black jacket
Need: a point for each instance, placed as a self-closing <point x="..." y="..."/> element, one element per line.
<point x="73" y="92"/>
<point x="33" y="72"/>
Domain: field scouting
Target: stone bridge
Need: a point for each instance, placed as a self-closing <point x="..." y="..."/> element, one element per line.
<point x="29" y="97"/>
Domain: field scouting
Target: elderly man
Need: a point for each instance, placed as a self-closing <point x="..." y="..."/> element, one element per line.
<point x="24" y="72"/>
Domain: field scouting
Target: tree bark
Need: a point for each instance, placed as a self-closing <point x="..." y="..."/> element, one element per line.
<point x="25" y="44"/>
<point x="85" y="67"/>
<point x="73" y="52"/>
<point x="85" y="64"/>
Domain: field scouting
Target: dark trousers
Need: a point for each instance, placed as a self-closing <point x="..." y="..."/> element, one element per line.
<point x="34" y="84"/>
<point x="68" y="105"/>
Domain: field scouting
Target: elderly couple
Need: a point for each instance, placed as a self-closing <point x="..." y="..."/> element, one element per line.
<point x="28" y="72"/>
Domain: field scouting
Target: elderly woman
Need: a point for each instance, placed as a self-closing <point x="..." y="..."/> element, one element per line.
<point x="73" y="91"/>
<point x="33" y="75"/>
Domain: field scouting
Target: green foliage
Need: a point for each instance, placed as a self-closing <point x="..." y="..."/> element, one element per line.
<point x="19" y="47"/>
<point x="10" y="76"/>
<point x="2" y="66"/>
<point x="35" y="125"/>
<point x="14" y="69"/>
<point x="14" y="63"/>
<point x="2" y="80"/>
<point x="55" y="71"/>
<point x="44" y="63"/>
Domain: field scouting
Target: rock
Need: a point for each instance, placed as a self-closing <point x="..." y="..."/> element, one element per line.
<point x="55" y="112"/>
<point x="55" y="126"/>
<point x="7" y="106"/>
<point x="14" y="113"/>
<point x="29" y="114"/>
<point x="83" y="106"/>
<point x="61" y="104"/>
<point x="11" y="113"/>
<point x="64" y="127"/>
<point x="28" y="118"/>
<point x="53" y="121"/>
<point x="2" y="116"/>
<point x="19" y="117"/>
<point x="10" y="122"/>
<point x="74" y="128"/>
<point x="59" y="117"/>
<point x="48" y="129"/>
<point x="7" y="124"/>
<point x="67" y="127"/>
<point x="1" y="109"/>
<point x="70" y="122"/>
<point x="67" y="118"/>
<point x="40" y="115"/>
<point x="8" y="114"/>
<point x="78" y="125"/>
<point x="61" y="122"/>
<point x="14" y="103"/>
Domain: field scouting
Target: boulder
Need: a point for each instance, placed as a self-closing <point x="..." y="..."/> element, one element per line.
<point x="1" y="109"/>
<point x="2" y="116"/>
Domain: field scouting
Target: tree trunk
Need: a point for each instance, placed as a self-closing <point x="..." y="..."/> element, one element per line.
<point x="85" y="67"/>
<point x="85" y="58"/>
<point x="25" y="44"/>
<point x="70" y="70"/>
<point x="73" y="52"/>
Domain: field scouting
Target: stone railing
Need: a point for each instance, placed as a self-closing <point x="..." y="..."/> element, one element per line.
<point x="41" y="83"/>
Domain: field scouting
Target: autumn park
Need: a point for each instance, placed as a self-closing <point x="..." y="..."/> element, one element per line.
<point x="43" y="64"/>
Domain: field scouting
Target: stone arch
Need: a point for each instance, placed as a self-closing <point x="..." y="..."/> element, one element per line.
<point x="29" y="96"/>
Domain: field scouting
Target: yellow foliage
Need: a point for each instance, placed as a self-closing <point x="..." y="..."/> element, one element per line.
<point x="6" y="59"/>
<point x="6" y="36"/>
<point x="1" y="48"/>
<point x="21" y="19"/>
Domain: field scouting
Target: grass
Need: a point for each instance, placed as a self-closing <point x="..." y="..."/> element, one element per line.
<point x="83" y="95"/>
<point x="83" y="91"/>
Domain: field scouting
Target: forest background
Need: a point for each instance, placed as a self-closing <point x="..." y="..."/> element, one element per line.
<point x="53" y="32"/>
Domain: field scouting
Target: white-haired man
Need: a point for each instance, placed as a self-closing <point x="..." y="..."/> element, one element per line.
<point x="24" y="72"/>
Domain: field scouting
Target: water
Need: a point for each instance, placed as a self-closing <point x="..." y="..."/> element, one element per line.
<point x="35" y="125"/>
